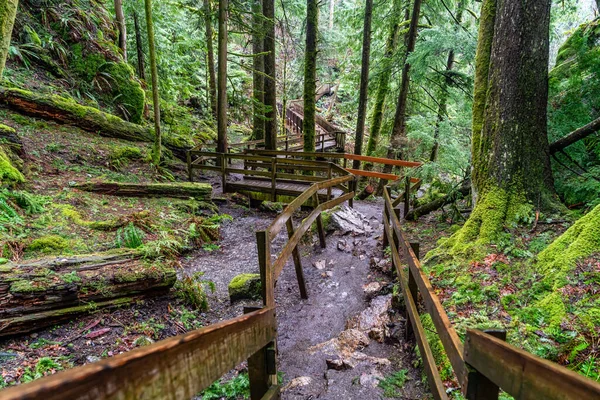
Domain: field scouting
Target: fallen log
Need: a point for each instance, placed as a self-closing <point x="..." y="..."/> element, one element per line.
<point x="436" y="204"/>
<point x="183" y="190"/>
<point x="68" y="111"/>
<point x="42" y="293"/>
<point x="576" y="135"/>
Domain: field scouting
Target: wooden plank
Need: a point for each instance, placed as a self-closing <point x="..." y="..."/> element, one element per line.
<point x="320" y="229"/>
<point x="386" y="161"/>
<point x="445" y="330"/>
<point x="373" y="174"/>
<point x="286" y="252"/>
<point x="273" y="393"/>
<point x="206" y="167"/>
<point x="297" y="261"/>
<point x="436" y="385"/>
<point x="295" y="154"/>
<point x="523" y="375"/>
<point x="174" y="368"/>
<point x="479" y="387"/>
<point x="264" y="264"/>
<point x="248" y="172"/>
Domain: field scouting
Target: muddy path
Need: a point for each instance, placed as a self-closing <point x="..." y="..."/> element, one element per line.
<point x="343" y="340"/>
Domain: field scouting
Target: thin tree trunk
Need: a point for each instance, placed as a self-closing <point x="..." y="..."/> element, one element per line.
<point x="364" y="83"/>
<point x="332" y="13"/>
<point x="122" y="28"/>
<point x="211" y="57"/>
<point x="310" y="75"/>
<point x="270" y="92"/>
<point x="139" y="47"/>
<point x="398" y="138"/>
<point x="258" y="66"/>
<point x="7" y="20"/>
<point x="383" y="84"/>
<point x="156" y="154"/>
<point x="222" y="79"/>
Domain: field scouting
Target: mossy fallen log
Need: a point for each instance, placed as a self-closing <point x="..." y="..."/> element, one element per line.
<point x="41" y="293"/>
<point x="198" y="191"/>
<point x="67" y="111"/>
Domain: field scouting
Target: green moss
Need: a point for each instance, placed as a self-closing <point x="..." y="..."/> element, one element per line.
<point x="8" y="173"/>
<point x="49" y="244"/>
<point x="69" y="212"/>
<point x="552" y="309"/>
<point x="579" y="241"/>
<point x="437" y="348"/>
<point x="245" y="286"/>
<point x="85" y="65"/>
<point x="126" y="90"/>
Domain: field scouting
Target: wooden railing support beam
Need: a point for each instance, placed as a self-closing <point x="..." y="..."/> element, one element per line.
<point x="479" y="387"/>
<point x="297" y="261"/>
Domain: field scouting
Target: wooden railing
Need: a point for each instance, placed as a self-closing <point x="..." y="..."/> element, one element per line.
<point x="485" y="363"/>
<point x="175" y="368"/>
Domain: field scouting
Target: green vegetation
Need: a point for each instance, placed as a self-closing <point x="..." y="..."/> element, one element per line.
<point x="51" y="244"/>
<point x="393" y="383"/>
<point x="245" y="286"/>
<point x="191" y="289"/>
<point x="129" y="237"/>
<point x="238" y="387"/>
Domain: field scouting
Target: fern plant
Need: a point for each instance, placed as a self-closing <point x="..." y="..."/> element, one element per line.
<point x="129" y="237"/>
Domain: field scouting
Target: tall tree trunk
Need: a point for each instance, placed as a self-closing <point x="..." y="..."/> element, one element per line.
<point x="156" y="154"/>
<point x="258" y="66"/>
<point x="270" y="91"/>
<point x="222" y="79"/>
<point x="212" y="86"/>
<point x="332" y="13"/>
<point x="511" y="164"/>
<point x="310" y="74"/>
<point x="122" y="28"/>
<point x="384" y="80"/>
<point x="8" y="12"/>
<point x="139" y="47"/>
<point x="364" y="83"/>
<point x="446" y="84"/>
<point x="398" y="137"/>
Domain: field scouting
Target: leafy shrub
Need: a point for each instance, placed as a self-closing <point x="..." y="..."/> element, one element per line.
<point x="191" y="290"/>
<point x="49" y="244"/>
<point x="230" y="390"/>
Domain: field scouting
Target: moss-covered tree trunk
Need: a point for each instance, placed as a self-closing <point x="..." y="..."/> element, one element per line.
<point x="8" y="12"/>
<point x="212" y="80"/>
<point x="310" y="75"/>
<point x="258" y="66"/>
<point x="139" y="45"/>
<point x="384" y="81"/>
<point x="398" y="137"/>
<point x="511" y="166"/>
<point x="120" y="16"/>
<point x="156" y="153"/>
<point x="222" y="79"/>
<point x="364" y="82"/>
<point x="270" y="87"/>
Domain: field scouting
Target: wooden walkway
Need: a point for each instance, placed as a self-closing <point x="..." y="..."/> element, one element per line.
<point x="252" y="186"/>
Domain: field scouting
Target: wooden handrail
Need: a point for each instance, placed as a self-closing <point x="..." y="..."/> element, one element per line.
<point x="385" y="161"/>
<point x="174" y="368"/>
<point x="373" y="174"/>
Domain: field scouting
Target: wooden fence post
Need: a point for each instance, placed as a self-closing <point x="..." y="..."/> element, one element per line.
<point x="223" y="173"/>
<point x="407" y="197"/>
<point x="262" y="366"/>
<point x="297" y="261"/>
<point x="329" y="177"/>
<point x="320" y="229"/>
<point x="413" y="289"/>
<point x="274" y="179"/>
<point x="188" y="157"/>
<point x="264" y="265"/>
<point x="479" y="387"/>
<point x="386" y="217"/>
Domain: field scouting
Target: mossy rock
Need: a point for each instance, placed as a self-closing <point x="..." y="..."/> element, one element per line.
<point x="9" y="174"/>
<point x="245" y="286"/>
<point x="126" y="90"/>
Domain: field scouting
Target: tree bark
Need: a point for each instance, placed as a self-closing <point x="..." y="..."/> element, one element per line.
<point x="222" y="79"/>
<point x="156" y="153"/>
<point x="364" y="83"/>
<point x="398" y="137"/>
<point x="199" y="191"/>
<point x="141" y="66"/>
<point x="384" y="79"/>
<point x="258" y="66"/>
<point x="332" y="13"/>
<point x="90" y="119"/>
<point x="42" y="293"/>
<point x="576" y="135"/>
<point x="212" y="85"/>
<point x="425" y="209"/>
<point x="120" y="16"/>
<point x="270" y="87"/>
<point x="8" y="12"/>
<point x="310" y="75"/>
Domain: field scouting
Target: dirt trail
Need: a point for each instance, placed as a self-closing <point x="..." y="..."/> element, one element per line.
<point x="315" y="330"/>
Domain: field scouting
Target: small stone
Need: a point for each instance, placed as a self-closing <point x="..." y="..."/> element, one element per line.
<point x="329" y="274"/>
<point x="142" y="341"/>
<point x="370" y="380"/>
<point x="377" y="334"/>
<point x="320" y="264"/>
<point x="362" y="257"/>
<point x="245" y="286"/>
<point x="92" y="359"/>
<point x="339" y="365"/>
<point x="298" y="382"/>
<point x="33" y="335"/>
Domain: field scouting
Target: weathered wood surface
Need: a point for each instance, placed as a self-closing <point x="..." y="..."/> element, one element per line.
<point x="523" y="375"/>
<point x="172" y="369"/>
<point x="37" y="294"/>
<point x="67" y="111"/>
<point x="427" y="208"/>
<point x="199" y="191"/>
<point x="384" y="161"/>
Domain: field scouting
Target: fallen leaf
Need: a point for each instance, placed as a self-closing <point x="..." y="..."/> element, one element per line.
<point x="97" y="333"/>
